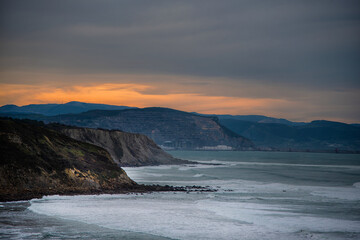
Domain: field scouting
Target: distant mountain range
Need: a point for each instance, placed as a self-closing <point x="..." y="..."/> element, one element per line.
<point x="169" y="128"/>
<point x="314" y="136"/>
<point x="57" y="109"/>
<point x="260" y="119"/>
<point x="181" y="130"/>
<point x="172" y="129"/>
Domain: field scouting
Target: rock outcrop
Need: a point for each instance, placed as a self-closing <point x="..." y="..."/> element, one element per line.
<point x="36" y="161"/>
<point x="126" y="149"/>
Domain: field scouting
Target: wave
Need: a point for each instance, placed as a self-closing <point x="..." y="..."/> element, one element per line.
<point x="278" y="164"/>
<point x="162" y="216"/>
<point x="272" y="190"/>
<point x="276" y="218"/>
<point x="184" y="216"/>
<point x="299" y="165"/>
<point x="198" y="175"/>
<point x="343" y="193"/>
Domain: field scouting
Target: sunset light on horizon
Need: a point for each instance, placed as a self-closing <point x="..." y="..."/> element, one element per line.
<point x="150" y="95"/>
<point x="190" y="119"/>
<point x="298" y="61"/>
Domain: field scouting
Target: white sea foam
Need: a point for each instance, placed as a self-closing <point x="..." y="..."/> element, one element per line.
<point x="343" y="193"/>
<point x="275" y="218"/>
<point x="246" y="186"/>
<point x="276" y="164"/>
<point x="198" y="175"/>
<point x="183" y="216"/>
<point x="299" y="165"/>
<point x="198" y="166"/>
<point x="164" y="217"/>
<point x="215" y="162"/>
<point x="257" y="207"/>
<point x="328" y="193"/>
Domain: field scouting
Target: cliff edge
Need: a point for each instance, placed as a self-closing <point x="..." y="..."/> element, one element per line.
<point x="36" y="161"/>
<point x="126" y="149"/>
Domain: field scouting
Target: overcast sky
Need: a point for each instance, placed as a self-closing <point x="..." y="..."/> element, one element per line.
<point x="294" y="59"/>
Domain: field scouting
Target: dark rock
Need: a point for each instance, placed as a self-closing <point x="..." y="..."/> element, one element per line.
<point x="36" y="161"/>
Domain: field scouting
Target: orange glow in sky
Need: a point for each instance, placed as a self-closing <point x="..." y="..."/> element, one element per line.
<point x="131" y="95"/>
<point x="186" y="93"/>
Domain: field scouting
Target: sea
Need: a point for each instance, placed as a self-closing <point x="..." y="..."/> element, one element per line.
<point x="259" y="195"/>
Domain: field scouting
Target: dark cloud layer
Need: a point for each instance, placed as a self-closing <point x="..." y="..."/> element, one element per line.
<point x="307" y="44"/>
<point x="314" y="42"/>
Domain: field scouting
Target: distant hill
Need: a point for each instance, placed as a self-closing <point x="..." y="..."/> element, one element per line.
<point x="57" y="109"/>
<point x="260" y="119"/>
<point x="315" y="136"/>
<point x="36" y="161"/>
<point x="255" y="118"/>
<point x="167" y="127"/>
<point x="180" y="130"/>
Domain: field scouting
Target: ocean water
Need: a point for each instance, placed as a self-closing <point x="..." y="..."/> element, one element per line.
<point x="260" y="195"/>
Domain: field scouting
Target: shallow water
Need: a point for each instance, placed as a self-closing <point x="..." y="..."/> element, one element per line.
<point x="18" y="222"/>
<point x="261" y="195"/>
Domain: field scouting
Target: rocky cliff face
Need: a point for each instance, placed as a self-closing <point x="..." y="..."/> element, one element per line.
<point x="36" y="161"/>
<point x="167" y="127"/>
<point x="127" y="149"/>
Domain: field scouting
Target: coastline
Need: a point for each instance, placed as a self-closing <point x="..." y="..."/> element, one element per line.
<point x="334" y="151"/>
<point x="139" y="188"/>
<point x="259" y="196"/>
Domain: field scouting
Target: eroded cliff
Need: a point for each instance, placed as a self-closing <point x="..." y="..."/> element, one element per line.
<point x="127" y="149"/>
<point x="167" y="127"/>
<point x="36" y="161"/>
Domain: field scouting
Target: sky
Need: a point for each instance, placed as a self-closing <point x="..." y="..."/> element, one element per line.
<point x="298" y="60"/>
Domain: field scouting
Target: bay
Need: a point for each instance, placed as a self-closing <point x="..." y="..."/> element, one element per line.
<point x="259" y="195"/>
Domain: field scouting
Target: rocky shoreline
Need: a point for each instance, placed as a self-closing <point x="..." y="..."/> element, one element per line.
<point x="37" y="161"/>
<point x="139" y="188"/>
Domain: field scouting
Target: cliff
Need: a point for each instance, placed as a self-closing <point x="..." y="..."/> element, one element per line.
<point x="126" y="149"/>
<point x="36" y="161"/>
<point x="167" y="127"/>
